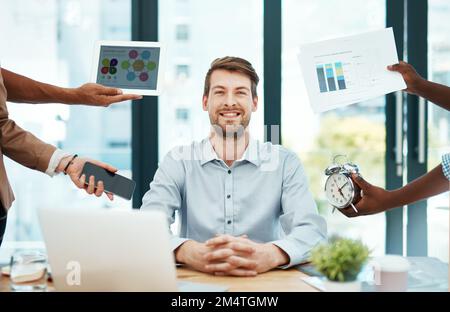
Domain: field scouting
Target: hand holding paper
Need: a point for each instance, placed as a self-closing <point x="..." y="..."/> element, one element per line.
<point x="348" y="70"/>
<point x="412" y="79"/>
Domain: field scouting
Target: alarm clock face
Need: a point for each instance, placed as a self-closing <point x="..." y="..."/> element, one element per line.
<point x="339" y="190"/>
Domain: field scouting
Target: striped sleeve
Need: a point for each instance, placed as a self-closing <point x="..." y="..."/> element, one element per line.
<point x="446" y="165"/>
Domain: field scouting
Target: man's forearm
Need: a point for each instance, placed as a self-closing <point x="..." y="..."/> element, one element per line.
<point x="181" y="252"/>
<point x="430" y="184"/>
<point x="26" y="90"/>
<point x="436" y="93"/>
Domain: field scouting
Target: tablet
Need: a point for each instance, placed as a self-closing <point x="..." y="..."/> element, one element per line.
<point x="133" y="66"/>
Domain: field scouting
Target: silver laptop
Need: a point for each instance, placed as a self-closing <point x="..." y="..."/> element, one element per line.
<point x="111" y="250"/>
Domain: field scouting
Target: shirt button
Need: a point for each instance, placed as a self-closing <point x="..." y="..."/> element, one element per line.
<point x="229" y="221"/>
<point x="228" y="196"/>
<point x="229" y="171"/>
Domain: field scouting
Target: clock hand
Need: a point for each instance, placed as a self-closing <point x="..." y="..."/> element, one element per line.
<point x="343" y="185"/>
<point x="340" y="192"/>
<point x="353" y="206"/>
<point x="339" y="188"/>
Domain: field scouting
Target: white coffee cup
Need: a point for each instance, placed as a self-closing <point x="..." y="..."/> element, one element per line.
<point x="390" y="273"/>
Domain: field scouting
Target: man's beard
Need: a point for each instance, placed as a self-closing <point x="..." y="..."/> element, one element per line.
<point x="230" y="131"/>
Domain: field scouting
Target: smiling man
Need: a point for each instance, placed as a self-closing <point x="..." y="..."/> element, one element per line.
<point x="244" y="205"/>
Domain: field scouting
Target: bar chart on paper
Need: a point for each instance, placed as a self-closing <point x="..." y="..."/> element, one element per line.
<point x="328" y="75"/>
<point x="348" y="70"/>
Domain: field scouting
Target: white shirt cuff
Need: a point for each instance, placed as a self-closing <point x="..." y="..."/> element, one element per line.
<point x="55" y="160"/>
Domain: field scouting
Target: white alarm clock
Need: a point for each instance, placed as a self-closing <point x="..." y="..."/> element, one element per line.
<point x="340" y="190"/>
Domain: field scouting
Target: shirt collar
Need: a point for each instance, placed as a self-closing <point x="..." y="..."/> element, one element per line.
<point x="251" y="153"/>
<point x="207" y="152"/>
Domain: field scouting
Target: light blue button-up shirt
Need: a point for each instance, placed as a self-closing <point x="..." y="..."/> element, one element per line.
<point x="264" y="195"/>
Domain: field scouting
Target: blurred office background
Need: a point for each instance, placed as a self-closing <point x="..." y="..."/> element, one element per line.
<point x="52" y="41"/>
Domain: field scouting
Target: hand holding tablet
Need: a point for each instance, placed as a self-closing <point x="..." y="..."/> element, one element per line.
<point x="133" y="66"/>
<point x="97" y="95"/>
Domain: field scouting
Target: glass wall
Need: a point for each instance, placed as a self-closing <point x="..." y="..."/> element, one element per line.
<point x="196" y="32"/>
<point x="52" y="41"/>
<point x="357" y="131"/>
<point x="438" y="123"/>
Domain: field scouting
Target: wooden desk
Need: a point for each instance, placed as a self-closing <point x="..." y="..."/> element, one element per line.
<point x="273" y="281"/>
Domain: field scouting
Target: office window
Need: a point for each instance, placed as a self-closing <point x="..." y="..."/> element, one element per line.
<point x="182" y="32"/>
<point x="209" y="22"/>
<point x="438" y="123"/>
<point x="52" y="41"/>
<point x="357" y="131"/>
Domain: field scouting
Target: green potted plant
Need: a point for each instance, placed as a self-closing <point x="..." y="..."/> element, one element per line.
<point x="340" y="261"/>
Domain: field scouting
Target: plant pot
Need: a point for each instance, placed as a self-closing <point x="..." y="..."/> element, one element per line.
<point x="332" y="286"/>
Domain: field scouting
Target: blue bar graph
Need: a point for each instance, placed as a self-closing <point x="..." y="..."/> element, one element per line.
<point x="330" y="73"/>
<point x="340" y="75"/>
<point x="321" y="78"/>
<point x="330" y="77"/>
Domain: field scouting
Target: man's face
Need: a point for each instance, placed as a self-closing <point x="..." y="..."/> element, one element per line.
<point x="230" y="102"/>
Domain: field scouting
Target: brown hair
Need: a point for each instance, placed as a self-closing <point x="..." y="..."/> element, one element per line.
<point x="233" y="64"/>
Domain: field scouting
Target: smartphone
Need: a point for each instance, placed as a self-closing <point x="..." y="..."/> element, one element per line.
<point x="114" y="183"/>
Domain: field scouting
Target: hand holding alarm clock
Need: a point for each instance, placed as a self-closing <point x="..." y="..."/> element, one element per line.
<point x="340" y="190"/>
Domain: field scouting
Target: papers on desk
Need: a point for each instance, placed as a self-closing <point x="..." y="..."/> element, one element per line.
<point x="315" y="282"/>
<point x="348" y="70"/>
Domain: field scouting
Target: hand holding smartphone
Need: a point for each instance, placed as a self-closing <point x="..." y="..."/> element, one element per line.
<point x="113" y="183"/>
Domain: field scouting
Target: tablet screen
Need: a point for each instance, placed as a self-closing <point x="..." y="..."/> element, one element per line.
<point x="128" y="67"/>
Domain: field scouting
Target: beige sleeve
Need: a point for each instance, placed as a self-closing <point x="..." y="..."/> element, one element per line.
<point x="23" y="147"/>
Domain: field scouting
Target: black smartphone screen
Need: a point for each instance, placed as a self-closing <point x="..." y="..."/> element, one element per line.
<point x="113" y="183"/>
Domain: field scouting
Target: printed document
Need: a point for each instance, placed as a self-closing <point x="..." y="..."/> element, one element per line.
<point x="348" y="70"/>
